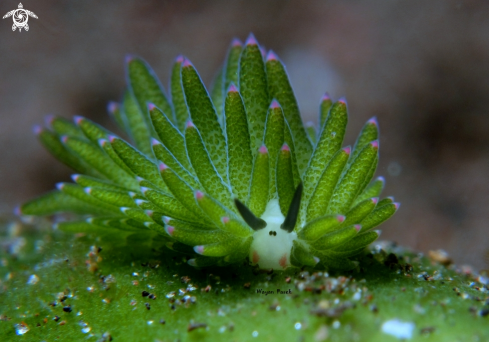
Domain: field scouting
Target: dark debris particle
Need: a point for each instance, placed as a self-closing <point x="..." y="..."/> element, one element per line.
<point x="99" y="249"/>
<point x="287" y="280"/>
<point x="147" y="306"/>
<point x="484" y="312"/>
<point x="332" y="312"/>
<point x="145" y="293"/>
<point x="162" y="321"/>
<point x="67" y="308"/>
<point x="427" y="330"/>
<point x="185" y="279"/>
<point x="193" y="326"/>
<point x="56" y="318"/>
<point x="152" y="296"/>
<point x="144" y="264"/>
<point x="247" y="285"/>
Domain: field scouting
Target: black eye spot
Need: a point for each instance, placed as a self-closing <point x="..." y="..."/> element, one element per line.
<point x="272" y="233"/>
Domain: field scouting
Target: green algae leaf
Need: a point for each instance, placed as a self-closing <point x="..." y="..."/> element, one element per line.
<point x="177" y="95"/>
<point x="240" y="158"/>
<point x="280" y="89"/>
<point x="254" y="90"/>
<point x="204" y="116"/>
<point x="258" y="199"/>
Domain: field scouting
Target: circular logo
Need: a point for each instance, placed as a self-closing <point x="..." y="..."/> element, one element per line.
<point x="20" y="17"/>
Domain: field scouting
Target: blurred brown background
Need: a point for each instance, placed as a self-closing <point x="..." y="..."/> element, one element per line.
<point x="422" y="67"/>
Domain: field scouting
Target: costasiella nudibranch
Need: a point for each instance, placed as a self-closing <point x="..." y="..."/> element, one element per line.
<point x="226" y="175"/>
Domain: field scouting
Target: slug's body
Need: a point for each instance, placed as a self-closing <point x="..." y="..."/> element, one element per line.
<point x="226" y="176"/>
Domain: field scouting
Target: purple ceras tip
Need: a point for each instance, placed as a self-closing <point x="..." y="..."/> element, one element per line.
<point x="225" y="219"/>
<point x="373" y="121"/>
<point x="179" y="59"/>
<point x="236" y="42"/>
<point x="251" y="40"/>
<point x="102" y="142"/>
<point x="154" y="142"/>
<point x="75" y="177"/>
<point x="326" y="97"/>
<point x="263" y="149"/>
<point x="48" y="120"/>
<point x="151" y="106"/>
<point x="162" y="167"/>
<point x="129" y="58"/>
<point x="199" y="195"/>
<point x="375" y="144"/>
<point x="190" y="124"/>
<point x="186" y="63"/>
<point x="37" y="129"/>
<point x="274" y="104"/>
<point x="358" y="227"/>
<point x="60" y="186"/>
<point x="88" y="191"/>
<point x="17" y="211"/>
<point x="342" y="100"/>
<point x="285" y="147"/>
<point x="78" y="119"/>
<point x="112" y="107"/>
<point x="149" y="212"/>
<point x="375" y="200"/>
<point x="397" y="205"/>
<point x="347" y="149"/>
<point x="64" y="139"/>
<point x="232" y="88"/>
<point x="381" y="179"/>
<point x="340" y="218"/>
<point x="199" y="249"/>
<point x="271" y="56"/>
<point x="170" y="230"/>
<point x="112" y="138"/>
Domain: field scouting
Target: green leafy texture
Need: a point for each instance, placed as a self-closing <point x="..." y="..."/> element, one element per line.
<point x="300" y="256"/>
<point x="52" y="143"/>
<point x="79" y="193"/>
<point x="358" y="243"/>
<point x="329" y="143"/>
<point x="311" y="133"/>
<point x="195" y="235"/>
<point x="182" y="191"/>
<point x="137" y="215"/>
<point x="274" y="139"/>
<point x="218" y="249"/>
<point x="320" y="226"/>
<point x="236" y="228"/>
<point x="384" y="201"/>
<point x="258" y="199"/>
<point x="279" y="88"/>
<point x="146" y="87"/>
<point x="203" y="166"/>
<point x="254" y="90"/>
<point x="240" y="158"/>
<point x="138" y="162"/>
<point x="217" y="95"/>
<point x="204" y="117"/>
<point x="170" y="136"/>
<point x="323" y="192"/>
<point x="99" y="160"/>
<point x="87" y="181"/>
<point x="290" y="142"/>
<point x="138" y="125"/>
<point x="64" y="127"/>
<point x="163" y="154"/>
<point x="177" y="95"/>
<point x="114" y="110"/>
<point x="379" y="215"/>
<point x="240" y="253"/>
<point x="350" y="184"/>
<point x="369" y="133"/>
<point x="56" y="202"/>
<point x="231" y="74"/>
<point x="170" y="206"/>
<point x="324" y="108"/>
<point x="214" y="210"/>
<point x="336" y="238"/>
<point x="285" y="179"/>
<point x="373" y="190"/>
<point x="360" y="211"/>
<point x="113" y="197"/>
<point x="98" y="135"/>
